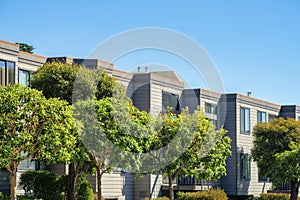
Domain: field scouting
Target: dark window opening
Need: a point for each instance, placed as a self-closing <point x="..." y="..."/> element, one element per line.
<point x="170" y="100"/>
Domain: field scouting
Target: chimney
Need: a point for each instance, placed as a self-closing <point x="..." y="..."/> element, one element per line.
<point x="249" y="94"/>
<point x="146" y="69"/>
<point x="139" y="69"/>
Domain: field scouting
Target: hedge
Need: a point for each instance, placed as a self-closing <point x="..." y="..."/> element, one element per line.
<point x="274" y="197"/>
<point x="204" y="195"/>
<point x="159" y="198"/>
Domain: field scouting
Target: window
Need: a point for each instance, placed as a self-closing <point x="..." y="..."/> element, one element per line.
<point x="245" y="167"/>
<point x="2" y="72"/>
<point x="261" y="117"/>
<point x="245" y="120"/>
<point x="24" y="77"/>
<point x="7" y="72"/>
<point x="170" y="100"/>
<point x="26" y="164"/>
<point x="210" y="108"/>
<point x="272" y="117"/>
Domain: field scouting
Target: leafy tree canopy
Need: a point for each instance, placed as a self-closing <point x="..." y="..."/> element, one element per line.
<point x="33" y="127"/>
<point x="25" y="47"/>
<point x="276" y="150"/>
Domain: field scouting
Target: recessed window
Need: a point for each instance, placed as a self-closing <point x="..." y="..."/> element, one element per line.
<point x="272" y="117"/>
<point x="170" y="100"/>
<point x="245" y="167"/>
<point x="245" y="120"/>
<point x="7" y="72"/>
<point x="261" y="117"/>
<point x="24" y="77"/>
<point x="211" y="108"/>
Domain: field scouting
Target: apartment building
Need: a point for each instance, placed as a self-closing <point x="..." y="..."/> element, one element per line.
<point x="154" y="92"/>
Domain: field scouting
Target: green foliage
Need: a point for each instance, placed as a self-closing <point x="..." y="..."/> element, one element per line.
<point x="4" y="197"/>
<point x="43" y="184"/>
<point x="32" y="127"/>
<point x="85" y="191"/>
<point x="277" y="149"/>
<point x="274" y="197"/>
<point x="105" y="86"/>
<point x="207" y="151"/>
<point x="25" y="47"/>
<point x="55" y="80"/>
<point x="205" y="195"/>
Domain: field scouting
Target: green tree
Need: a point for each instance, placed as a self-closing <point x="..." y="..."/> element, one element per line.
<point x="276" y="150"/>
<point x="33" y="127"/>
<point x="74" y="83"/>
<point x="25" y="47"/>
<point x="200" y="150"/>
<point x="112" y="130"/>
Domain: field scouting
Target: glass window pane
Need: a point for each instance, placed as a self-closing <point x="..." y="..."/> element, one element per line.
<point x="10" y="72"/>
<point x="2" y="72"/>
<point x="242" y="119"/>
<point x="170" y="100"/>
<point x="24" y="77"/>
<point x="261" y="117"/>
<point x="245" y="167"/>
<point x="247" y="120"/>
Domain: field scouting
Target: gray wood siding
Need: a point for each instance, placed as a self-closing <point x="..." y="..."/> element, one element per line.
<point x="141" y="187"/>
<point x="140" y="85"/>
<point x="229" y="181"/>
<point x="155" y="185"/>
<point x="114" y="185"/>
<point x="156" y="90"/>
<point x="245" y="144"/>
<point x="191" y="99"/>
<point x="4" y="181"/>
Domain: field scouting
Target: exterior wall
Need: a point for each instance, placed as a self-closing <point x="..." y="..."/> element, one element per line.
<point x="244" y="143"/>
<point x="158" y="84"/>
<point x="229" y="181"/>
<point x="141" y="187"/>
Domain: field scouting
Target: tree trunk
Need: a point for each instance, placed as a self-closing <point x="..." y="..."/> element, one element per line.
<point x="171" y="187"/>
<point x="99" y="182"/>
<point x="13" y="191"/>
<point x="294" y="189"/>
<point x="73" y="178"/>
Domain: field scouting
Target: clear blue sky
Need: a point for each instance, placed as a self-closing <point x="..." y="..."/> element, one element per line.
<point x="254" y="44"/>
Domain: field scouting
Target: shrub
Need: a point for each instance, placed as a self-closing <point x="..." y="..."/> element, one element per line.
<point x="43" y="185"/>
<point x="4" y="197"/>
<point x="205" y="195"/>
<point x="85" y="191"/>
<point x="274" y="197"/>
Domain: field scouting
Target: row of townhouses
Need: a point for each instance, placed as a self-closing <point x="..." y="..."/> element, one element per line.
<point x="153" y="92"/>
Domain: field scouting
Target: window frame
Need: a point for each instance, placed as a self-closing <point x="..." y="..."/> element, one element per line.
<point x="259" y="116"/>
<point x="244" y="122"/>
<point x="7" y="80"/>
<point x="29" y="76"/>
<point x="210" y="108"/>
<point x="245" y="167"/>
<point x="170" y="95"/>
<point x="271" y="116"/>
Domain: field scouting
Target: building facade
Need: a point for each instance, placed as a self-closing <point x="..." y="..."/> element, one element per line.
<point x="154" y="92"/>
